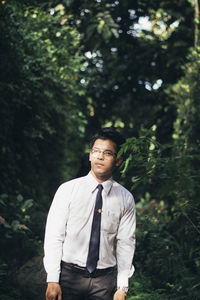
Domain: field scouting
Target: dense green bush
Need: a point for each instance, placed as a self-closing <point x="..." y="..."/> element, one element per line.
<point x="168" y="233"/>
<point x="40" y="87"/>
<point x="18" y="241"/>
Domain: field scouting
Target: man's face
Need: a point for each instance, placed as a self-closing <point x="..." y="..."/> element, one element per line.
<point x="103" y="159"/>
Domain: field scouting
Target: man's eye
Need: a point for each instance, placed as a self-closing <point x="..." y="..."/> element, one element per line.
<point x="95" y="151"/>
<point x="107" y="153"/>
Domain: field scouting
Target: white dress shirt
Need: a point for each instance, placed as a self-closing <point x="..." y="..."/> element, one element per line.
<point x="69" y="224"/>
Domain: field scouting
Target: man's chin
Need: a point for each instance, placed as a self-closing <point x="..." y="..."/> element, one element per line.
<point x="102" y="175"/>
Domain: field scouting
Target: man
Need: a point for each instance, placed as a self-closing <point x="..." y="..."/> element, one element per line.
<point x="90" y="229"/>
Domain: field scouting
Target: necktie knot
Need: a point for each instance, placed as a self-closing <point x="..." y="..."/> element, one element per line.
<point x="100" y="187"/>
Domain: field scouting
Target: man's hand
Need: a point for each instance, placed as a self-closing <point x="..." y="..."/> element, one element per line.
<point x="119" y="295"/>
<point x="53" y="290"/>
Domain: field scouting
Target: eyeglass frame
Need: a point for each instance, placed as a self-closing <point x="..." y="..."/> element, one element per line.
<point x="107" y="154"/>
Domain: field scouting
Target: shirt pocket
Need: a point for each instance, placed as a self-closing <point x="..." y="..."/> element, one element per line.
<point x="110" y="221"/>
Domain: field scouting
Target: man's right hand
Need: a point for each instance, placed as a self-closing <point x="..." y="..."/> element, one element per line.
<point x="53" y="290"/>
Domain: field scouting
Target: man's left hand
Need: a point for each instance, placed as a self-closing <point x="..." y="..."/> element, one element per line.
<point x="119" y="295"/>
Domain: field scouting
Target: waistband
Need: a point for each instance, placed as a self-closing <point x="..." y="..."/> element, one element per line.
<point x="84" y="271"/>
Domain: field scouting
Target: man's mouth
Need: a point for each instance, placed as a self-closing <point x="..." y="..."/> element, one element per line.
<point x="99" y="165"/>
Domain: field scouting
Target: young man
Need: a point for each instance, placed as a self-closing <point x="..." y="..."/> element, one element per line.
<point x="90" y="229"/>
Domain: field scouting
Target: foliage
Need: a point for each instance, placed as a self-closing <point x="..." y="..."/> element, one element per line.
<point x="123" y="89"/>
<point x="167" y="253"/>
<point x="141" y="156"/>
<point x="168" y="232"/>
<point x="95" y="21"/>
<point x="40" y="94"/>
<point x="16" y="236"/>
<point x="19" y="243"/>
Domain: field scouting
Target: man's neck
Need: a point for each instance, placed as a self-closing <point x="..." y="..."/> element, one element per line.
<point x="100" y="179"/>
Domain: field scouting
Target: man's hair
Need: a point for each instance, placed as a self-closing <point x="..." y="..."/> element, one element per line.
<point x="108" y="133"/>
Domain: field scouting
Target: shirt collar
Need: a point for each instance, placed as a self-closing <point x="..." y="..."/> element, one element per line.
<point x="107" y="185"/>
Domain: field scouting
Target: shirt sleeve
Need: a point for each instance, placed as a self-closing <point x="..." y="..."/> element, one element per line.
<point x="55" y="233"/>
<point x="125" y="247"/>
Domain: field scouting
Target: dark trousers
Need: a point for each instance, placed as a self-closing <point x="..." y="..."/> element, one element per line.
<point x="78" y="284"/>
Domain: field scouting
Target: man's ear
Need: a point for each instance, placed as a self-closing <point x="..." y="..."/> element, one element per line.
<point x="119" y="161"/>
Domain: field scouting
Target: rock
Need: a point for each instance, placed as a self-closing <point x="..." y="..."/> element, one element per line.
<point x="32" y="275"/>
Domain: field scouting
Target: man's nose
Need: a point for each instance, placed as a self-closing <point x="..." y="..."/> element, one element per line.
<point x="100" y="155"/>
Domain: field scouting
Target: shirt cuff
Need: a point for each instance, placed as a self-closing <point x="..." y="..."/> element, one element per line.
<point x="122" y="277"/>
<point x="53" y="277"/>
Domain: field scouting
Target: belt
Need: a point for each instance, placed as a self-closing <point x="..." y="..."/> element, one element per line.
<point x="84" y="271"/>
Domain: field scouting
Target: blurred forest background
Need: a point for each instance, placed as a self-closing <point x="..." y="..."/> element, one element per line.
<point x="69" y="67"/>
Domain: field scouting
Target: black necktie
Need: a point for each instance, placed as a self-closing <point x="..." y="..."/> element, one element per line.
<point x="93" y="253"/>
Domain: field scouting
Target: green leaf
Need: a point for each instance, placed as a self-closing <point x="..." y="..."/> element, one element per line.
<point x="20" y="198"/>
<point x="27" y="204"/>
